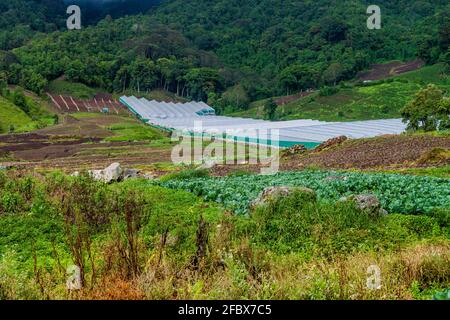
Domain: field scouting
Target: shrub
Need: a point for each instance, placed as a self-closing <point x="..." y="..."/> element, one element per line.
<point x="328" y="91"/>
<point x="298" y="222"/>
<point x="185" y="175"/>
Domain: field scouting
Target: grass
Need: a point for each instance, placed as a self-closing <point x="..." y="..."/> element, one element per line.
<point x="76" y="90"/>
<point x="127" y="129"/>
<point x="11" y="115"/>
<point x="439" y="172"/>
<point x="134" y="132"/>
<point x="185" y="248"/>
<point x="378" y="100"/>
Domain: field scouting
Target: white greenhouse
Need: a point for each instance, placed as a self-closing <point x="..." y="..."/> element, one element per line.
<point x="198" y="118"/>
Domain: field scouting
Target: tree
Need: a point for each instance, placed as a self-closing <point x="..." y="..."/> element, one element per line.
<point x="3" y="81"/>
<point x="333" y="73"/>
<point x="202" y="81"/>
<point x="18" y="98"/>
<point x="33" y="81"/>
<point x="298" y="77"/>
<point x="428" y="111"/>
<point x="144" y="75"/>
<point x="270" y="107"/>
<point x="236" y="97"/>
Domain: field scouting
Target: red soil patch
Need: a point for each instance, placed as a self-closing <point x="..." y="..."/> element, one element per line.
<point x="68" y="104"/>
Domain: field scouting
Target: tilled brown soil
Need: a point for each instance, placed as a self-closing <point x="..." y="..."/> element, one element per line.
<point x="76" y="145"/>
<point x="387" y="152"/>
<point x="381" y="152"/>
<point x="386" y="70"/>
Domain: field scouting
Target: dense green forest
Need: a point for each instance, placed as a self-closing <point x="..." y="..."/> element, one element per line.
<point x="20" y="20"/>
<point x="228" y="52"/>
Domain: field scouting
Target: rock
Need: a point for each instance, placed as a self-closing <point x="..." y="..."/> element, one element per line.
<point x="130" y="173"/>
<point x="96" y="174"/>
<point x="148" y="176"/>
<point x="330" y="143"/>
<point x="367" y="203"/>
<point x="75" y="174"/>
<point x="110" y="174"/>
<point x="296" y="149"/>
<point x="271" y="193"/>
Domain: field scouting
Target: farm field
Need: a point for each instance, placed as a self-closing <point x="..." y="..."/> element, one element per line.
<point x="247" y="257"/>
<point x="249" y="151"/>
<point x="397" y="193"/>
<point x="376" y="100"/>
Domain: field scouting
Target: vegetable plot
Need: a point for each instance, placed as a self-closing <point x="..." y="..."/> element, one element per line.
<point x="397" y="193"/>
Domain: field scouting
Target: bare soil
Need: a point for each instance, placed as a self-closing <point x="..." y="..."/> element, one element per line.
<point x="76" y="145"/>
<point x="386" y="70"/>
<point x="68" y="104"/>
<point x="384" y="153"/>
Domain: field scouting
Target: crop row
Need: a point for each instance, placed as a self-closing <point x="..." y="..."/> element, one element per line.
<point x="397" y="193"/>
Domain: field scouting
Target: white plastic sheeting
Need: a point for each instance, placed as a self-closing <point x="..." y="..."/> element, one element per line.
<point x="198" y="117"/>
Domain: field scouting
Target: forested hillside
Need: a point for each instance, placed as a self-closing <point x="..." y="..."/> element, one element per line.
<point x="229" y="52"/>
<point x="20" y="20"/>
<point x="292" y="45"/>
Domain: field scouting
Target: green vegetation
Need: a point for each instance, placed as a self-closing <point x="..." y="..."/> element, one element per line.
<point x="76" y="90"/>
<point x="440" y="172"/>
<point x="185" y="174"/>
<point x="429" y="111"/>
<point x="12" y="116"/>
<point x="133" y="240"/>
<point x="377" y="100"/>
<point x="134" y="132"/>
<point x="19" y="113"/>
<point x="397" y="193"/>
<point x="20" y="20"/>
<point x="231" y="53"/>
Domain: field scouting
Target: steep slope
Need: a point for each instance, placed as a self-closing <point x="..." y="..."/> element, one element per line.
<point x="376" y="100"/>
<point x="11" y="115"/>
<point x="267" y="38"/>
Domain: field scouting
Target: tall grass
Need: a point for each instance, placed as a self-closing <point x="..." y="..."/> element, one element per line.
<point x="135" y="241"/>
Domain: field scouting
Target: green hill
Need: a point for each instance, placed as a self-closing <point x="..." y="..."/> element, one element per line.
<point x="13" y="118"/>
<point x="377" y="100"/>
<point x="11" y="115"/>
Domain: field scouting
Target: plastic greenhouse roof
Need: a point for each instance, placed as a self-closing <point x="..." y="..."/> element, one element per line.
<point x="199" y="118"/>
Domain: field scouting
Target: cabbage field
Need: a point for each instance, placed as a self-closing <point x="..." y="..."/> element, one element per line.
<point x="405" y="194"/>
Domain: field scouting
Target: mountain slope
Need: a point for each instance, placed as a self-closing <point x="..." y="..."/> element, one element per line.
<point x="268" y="36"/>
<point x="376" y="100"/>
<point x="219" y="50"/>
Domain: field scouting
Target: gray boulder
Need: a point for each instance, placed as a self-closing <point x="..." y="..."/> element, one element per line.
<point x="367" y="203"/>
<point x="130" y="174"/>
<point x="110" y="174"/>
<point x="271" y="193"/>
